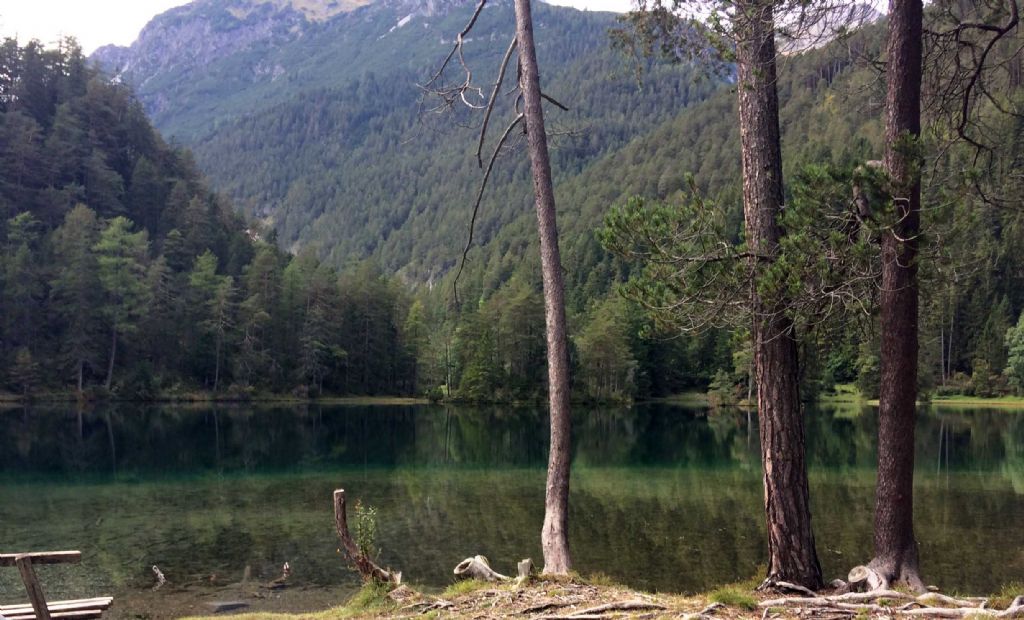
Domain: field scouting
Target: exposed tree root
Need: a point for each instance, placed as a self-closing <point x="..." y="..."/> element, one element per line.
<point x="931" y="605"/>
<point x="600" y="610"/>
<point x="704" y="613"/>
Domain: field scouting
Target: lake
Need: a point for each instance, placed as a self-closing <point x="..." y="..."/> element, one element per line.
<point x="663" y="497"/>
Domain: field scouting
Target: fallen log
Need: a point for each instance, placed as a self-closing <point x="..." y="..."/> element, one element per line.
<point x="366" y="568"/>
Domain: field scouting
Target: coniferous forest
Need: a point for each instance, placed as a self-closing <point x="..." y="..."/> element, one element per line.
<point x="125" y="274"/>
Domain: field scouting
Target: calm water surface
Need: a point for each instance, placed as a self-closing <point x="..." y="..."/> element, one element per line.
<point x="663" y="498"/>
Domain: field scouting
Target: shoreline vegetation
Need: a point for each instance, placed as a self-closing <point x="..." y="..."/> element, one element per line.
<point x="843" y="395"/>
<point x="566" y="598"/>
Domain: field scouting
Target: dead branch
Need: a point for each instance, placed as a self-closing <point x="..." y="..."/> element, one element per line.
<point x="792" y="587"/>
<point x="449" y="95"/>
<point x="493" y="99"/>
<point x="479" y="197"/>
<point x="359" y="560"/>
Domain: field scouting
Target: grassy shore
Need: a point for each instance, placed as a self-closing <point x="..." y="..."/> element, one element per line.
<point x="848" y="394"/>
<point x="960" y="400"/>
<point x="541" y="598"/>
<point x="572" y="598"/>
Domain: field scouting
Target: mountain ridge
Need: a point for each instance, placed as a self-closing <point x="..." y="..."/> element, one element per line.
<point x="337" y="150"/>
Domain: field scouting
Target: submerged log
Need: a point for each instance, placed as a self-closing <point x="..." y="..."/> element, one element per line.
<point x="359" y="560"/>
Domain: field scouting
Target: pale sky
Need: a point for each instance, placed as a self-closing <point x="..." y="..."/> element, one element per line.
<point x="98" y="22"/>
<point x="92" y="22"/>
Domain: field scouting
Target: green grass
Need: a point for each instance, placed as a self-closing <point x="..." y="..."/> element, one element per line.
<point x="733" y="596"/>
<point x="465" y="587"/>
<point x="1005" y="596"/>
<point x="601" y="579"/>
<point x="842" y="393"/>
<point x="962" y="399"/>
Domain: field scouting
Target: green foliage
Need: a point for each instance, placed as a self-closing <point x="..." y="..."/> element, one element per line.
<point x="365" y="529"/>
<point x="120" y="265"/>
<point x="868" y="372"/>
<point x="1015" y="359"/>
<point x="982" y="379"/>
<point x="607" y="364"/>
<point x="722" y="390"/>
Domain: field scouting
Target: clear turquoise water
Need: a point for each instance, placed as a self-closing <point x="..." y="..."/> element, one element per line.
<point x="663" y="498"/>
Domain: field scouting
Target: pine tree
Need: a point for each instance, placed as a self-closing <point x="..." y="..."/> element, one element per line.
<point x="75" y="294"/>
<point x="214" y="301"/>
<point x="121" y="255"/>
<point x="25" y="372"/>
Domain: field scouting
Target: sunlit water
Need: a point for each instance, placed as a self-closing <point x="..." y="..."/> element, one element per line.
<point x="663" y="498"/>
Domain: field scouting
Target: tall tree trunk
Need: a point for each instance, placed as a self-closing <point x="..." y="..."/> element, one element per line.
<point x="113" y="354"/>
<point x="895" y="547"/>
<point x="791" y="552"/>
<point x="216" y="366"/>
<point x="554" y="536"/>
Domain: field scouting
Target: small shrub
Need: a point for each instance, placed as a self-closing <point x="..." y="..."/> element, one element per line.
<point x="365" y="529"/>
<point x="600" y="579"/>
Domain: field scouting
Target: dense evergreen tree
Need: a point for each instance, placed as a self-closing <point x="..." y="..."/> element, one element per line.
<point x="115" y="255"/>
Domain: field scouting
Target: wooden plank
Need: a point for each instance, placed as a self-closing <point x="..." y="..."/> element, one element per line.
<point x="89" y="613"/>
<point x="100" y="602"/>
<point x="43" y="557"/>
<point x="32" y="587"/>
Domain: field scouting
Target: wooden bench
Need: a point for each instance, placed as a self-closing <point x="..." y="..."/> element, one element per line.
<point x="37" y="608"/>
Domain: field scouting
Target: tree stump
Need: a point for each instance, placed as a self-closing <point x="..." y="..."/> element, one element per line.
<point x="477" y="567"/>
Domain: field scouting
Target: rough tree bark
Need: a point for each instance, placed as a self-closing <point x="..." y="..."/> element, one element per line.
<point x="554" y="535"/>
<point x="896" y="558"/>
<point x="791" y="552"/>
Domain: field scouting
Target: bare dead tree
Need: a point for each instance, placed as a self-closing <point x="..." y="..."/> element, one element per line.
<point x="528" y="113"/>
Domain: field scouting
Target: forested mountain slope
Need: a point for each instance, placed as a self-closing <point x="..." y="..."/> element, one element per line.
<point x="334" y="146"/>
<point x="973" y="262"/>
<point x="122" y="273"/>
